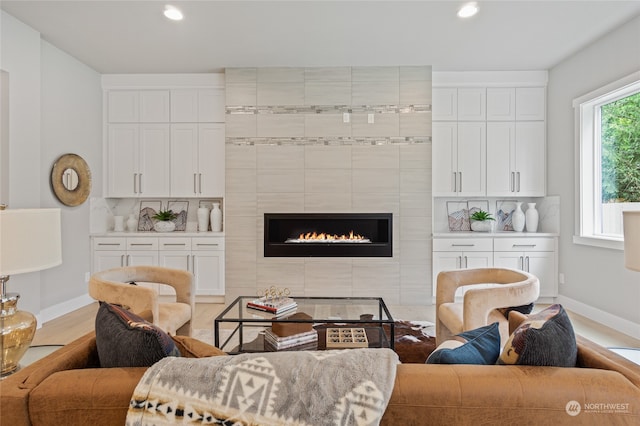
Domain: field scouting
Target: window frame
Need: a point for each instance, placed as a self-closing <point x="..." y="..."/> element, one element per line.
<point x="587" y="135"/>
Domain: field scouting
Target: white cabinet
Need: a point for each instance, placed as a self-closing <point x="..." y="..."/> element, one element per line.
<point x="197" y="160"/>
<point x="459" y="159"/>
<point x="203" y="256"/>
<point x="501" y="104"/>
<point x="197" y="106"/>
<point x="530" y="103"/>
<point x="516" y="159"/>
<point x="534" y="255"/>
<point x="208" y="265"/>
<point x="137" y="160"/>
<point x="460" y="253"/>
<point x="458" y="104"/>
<point x="138" y="106"/>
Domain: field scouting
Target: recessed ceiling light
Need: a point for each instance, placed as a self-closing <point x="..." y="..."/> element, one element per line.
<point x="172" y="13"/>
<point x="468" y="10"/>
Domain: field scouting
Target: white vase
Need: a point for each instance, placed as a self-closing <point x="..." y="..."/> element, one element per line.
<point x="203" y="219"/>
<point x="164" y="226"/>
<point x="518" y="219"/>
<point x="132" y="223"/>
<point x="118" y="223"/>
<point x="531" y="217"/>
<point x="216" y="218"/>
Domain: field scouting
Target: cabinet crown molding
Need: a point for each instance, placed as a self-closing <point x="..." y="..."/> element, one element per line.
<point x="490" y="78"/>
<point x="162" y="81"/>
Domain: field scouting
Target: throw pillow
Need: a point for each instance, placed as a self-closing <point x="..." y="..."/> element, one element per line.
<point x="480" y="346"/>
<point x="523" y="309"/>
<point x="545" y="338"/>
<point x="123" y="339"/>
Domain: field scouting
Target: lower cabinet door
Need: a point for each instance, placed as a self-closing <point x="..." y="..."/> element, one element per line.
<point x="103" y="260"/>
<point x="543" y="265"/>
<point x="208" y="268"/>
<point x="174" y="260"/>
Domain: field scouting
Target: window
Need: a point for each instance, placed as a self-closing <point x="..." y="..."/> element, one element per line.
<point x="608" y="129"/>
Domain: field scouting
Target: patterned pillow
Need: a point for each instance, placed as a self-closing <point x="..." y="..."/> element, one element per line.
<point x="545" y="338"/>
<point x="479" y="346"/>
<point x="123" y="339"/>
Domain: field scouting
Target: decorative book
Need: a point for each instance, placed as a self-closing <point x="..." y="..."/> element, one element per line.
<point x="277" y="343"/>
<point x="344" y="337"/>
<point x="273" y="305"/>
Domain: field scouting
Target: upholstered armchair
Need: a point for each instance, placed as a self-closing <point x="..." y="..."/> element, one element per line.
<point x="486" y="290"/>
<point x="114" y="286"/>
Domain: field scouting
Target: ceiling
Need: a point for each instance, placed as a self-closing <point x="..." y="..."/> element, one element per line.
<point x="134" y="36"/>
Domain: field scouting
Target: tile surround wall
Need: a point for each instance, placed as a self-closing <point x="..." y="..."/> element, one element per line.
<point x="288" y="149"/>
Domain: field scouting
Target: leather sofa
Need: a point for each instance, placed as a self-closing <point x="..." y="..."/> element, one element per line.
<point x="68" y="388"/>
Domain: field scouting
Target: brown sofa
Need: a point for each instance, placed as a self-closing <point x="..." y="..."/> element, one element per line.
<point x="68" y="388"/>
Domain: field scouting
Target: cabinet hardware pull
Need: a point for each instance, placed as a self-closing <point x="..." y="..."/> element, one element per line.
<point x="203" y="244"/>
<point x="521" y="259"/>
<point x="140" y="183"/>
<point x="460" y="173"/>
<point x="200" y="183"/>
<point x="128" y="260"/>
<point x="466" y="262"/>
<point x="524" y="245"/>
<point x="122" y="260"/>
<point x="195" y="191"/>
<point x="174" y="244"/>
<point x="527" y="259"/>
<point x="455" y="181"/>
<point x="135" y="180"/>
<point x="459" y="265"/>
<point x="463" y="245"/>
<point x="108" y="244"/>
<point x="141" y="244"/>
<point x="518" y="175"/>
<point x="513" y="180"/>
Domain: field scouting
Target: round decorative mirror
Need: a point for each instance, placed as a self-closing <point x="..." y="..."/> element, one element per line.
<point x="71" y="179"/>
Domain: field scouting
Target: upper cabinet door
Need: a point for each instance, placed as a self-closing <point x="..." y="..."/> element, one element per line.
<point x="530" y="103"/>
<point x="501" y="104"/>
<point x="154" y="106"/>
<point x="123" y="106"/>
<point x="472" y="158"/>
<point x="211" y="106"/>
<point x="154" y="160"/>
<point x="444" y="104"/>
<point x="444" y="159"/>
<point x="122" y="160"/>
<point x="472" y="104"/>
<point x="184" y="106"/>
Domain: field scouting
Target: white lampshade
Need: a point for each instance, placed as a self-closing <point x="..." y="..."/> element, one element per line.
<point x="30" y="240"/>
<point x="631" y="223"/>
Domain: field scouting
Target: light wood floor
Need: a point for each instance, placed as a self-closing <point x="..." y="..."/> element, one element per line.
<point x="65" y="329"/>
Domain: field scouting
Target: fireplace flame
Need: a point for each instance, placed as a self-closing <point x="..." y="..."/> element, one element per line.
<point x="325" y="237"/>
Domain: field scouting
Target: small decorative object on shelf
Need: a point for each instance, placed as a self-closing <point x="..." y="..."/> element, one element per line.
<point x="518" y="218"/>
<point x="216" y="217"/>
<point x="458" y="216"/>
<point x="481" y="221"/>
<point x="180" y="208"/>
<point x="203" y="219"/>
<point x="118" y="223"/>
<point x="164" y="221"/>
<point x="148" y="209"/>
<point x="504" y="215"/>
<point x="344" y="337"/>
<point x="531" y="218"/>
<point x="132" y="223"/>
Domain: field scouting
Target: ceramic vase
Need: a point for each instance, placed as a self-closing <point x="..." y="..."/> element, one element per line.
<point x="132" y="223"/>
<point x="118" y="223"/>
<point x="203" y="219"/>
<point x="531" y="217"/>
<point x="164" y="226"/>
<point x="216" y="218"/>
<point x="481" y="226"/>
<point x="518" y="219"/>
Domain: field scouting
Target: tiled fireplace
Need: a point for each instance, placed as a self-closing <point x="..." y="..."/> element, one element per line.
<point x="328" y="234"/>
<point x="352" y="140"/>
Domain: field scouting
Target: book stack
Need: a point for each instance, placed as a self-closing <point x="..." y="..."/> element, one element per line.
<point x="277" y="306"/>
<point x="300" y="341"/>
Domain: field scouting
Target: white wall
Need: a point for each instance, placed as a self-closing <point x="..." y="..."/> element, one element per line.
<point x="597" y="284"/>
<point x="55" y="107"/>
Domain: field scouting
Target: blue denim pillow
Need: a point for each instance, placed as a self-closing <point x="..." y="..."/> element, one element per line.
<point x="482" y="347"/>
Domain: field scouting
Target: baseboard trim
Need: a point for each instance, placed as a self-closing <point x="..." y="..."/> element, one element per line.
<point x="622" y="325"/>
<point x="63" y="308"/>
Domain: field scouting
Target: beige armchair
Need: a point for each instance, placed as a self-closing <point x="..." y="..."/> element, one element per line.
<point x="113" y="286"/>
<point x="489" y="289"/>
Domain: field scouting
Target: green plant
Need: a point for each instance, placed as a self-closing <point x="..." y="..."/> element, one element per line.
<point x="165" y="215"/>
<point x="481" y="216"/>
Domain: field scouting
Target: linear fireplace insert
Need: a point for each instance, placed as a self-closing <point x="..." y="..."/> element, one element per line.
<point x="328" y="234"/>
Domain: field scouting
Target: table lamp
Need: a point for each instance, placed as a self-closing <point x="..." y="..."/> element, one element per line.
<point x="30" y="241"/>
<point x="631" y="224"/>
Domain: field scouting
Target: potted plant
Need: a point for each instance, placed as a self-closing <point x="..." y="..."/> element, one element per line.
<point x="164" y="221"/>
<point x="481" y="221"/>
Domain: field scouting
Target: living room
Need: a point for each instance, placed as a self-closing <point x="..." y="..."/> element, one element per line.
<point x="595" y="284"/>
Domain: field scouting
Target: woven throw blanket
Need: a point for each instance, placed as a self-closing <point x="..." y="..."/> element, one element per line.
<point x="336" y="387"/>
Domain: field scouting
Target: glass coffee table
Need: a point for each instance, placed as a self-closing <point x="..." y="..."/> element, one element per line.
<point x="244" y="327"/>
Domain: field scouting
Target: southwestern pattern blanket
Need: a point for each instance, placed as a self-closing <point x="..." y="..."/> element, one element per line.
<point x="337" y="387"/>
